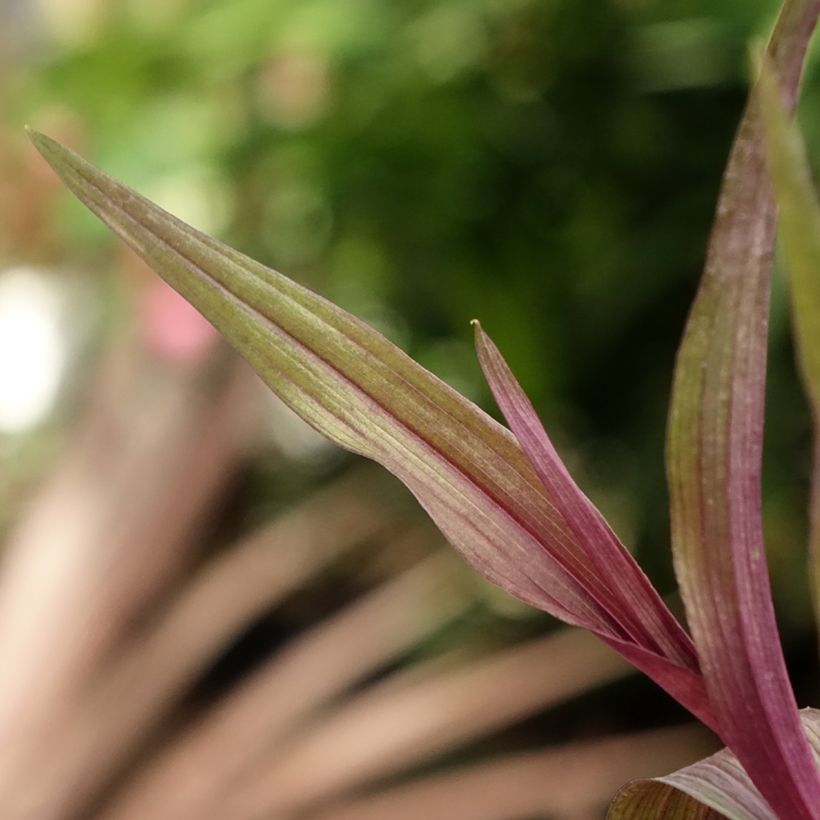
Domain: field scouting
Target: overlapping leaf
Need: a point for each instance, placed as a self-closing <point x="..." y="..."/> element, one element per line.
<point x="714" y="462"/>
<point x="716" y="787"/>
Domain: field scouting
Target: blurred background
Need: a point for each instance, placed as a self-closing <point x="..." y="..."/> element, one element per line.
<point x="205" y="610"/>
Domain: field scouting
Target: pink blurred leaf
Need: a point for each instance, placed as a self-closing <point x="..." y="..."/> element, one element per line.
<point x="714" y="463"/>
<point x="173" y="329"/>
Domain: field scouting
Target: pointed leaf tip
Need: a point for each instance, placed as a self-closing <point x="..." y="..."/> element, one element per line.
<point x="45" y="145"/>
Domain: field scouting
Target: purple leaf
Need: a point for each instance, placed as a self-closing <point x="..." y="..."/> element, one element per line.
<point x="714" y="463"/>
<point x="629" y="597"/>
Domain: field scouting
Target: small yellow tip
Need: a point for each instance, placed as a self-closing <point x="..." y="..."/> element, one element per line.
<point x="31" y="133"/>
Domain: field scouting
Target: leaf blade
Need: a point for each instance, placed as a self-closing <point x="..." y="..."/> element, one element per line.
<point x="714" y="450"/>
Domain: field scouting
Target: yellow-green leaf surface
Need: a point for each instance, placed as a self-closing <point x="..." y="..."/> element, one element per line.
<point x="800" y="229"/>
<point x="358" y="389"/>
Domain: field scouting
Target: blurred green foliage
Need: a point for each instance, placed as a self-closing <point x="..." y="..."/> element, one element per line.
<point x="548" y="166"/>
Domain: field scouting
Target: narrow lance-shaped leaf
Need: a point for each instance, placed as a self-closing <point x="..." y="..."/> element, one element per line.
<point x="633" y="594"/>
<point x="714" y="788"/>
<point x="800" y="229"/>
<point x="363" y="393"/>
<point x="714" y="463"/>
